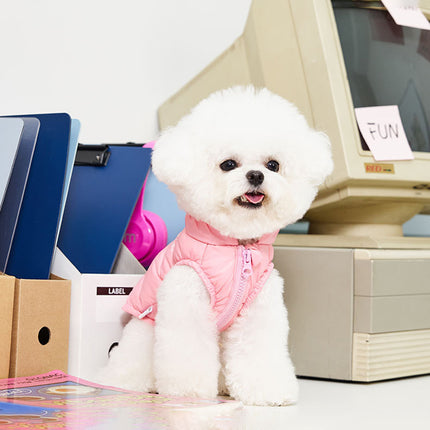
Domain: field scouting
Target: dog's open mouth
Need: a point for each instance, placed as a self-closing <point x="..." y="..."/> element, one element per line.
<point x="251" y="200"/>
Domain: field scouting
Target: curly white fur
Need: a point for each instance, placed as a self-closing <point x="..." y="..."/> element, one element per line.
<point x="184" y="354"/>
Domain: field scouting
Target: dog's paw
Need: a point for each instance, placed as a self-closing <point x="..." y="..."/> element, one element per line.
<point x="275" y="394"/>
<point x="110" y="378"/>
<point x="187" y="388"/>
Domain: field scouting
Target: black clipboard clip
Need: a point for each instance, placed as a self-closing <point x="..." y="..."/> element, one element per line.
<point x="92" y="155"/>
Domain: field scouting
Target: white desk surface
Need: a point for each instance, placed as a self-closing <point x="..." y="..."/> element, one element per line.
<point x="403" y="404"/>
<point x="400" y="404"/>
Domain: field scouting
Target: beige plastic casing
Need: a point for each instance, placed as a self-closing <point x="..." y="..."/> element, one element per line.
<point x="357" y="314"/>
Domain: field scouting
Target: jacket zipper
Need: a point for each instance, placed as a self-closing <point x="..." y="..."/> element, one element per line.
<point x="244" y="271"/>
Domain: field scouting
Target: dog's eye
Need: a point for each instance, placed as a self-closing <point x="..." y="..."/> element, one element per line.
<point x="273" y="165"/>
<point x="228" y="165"/>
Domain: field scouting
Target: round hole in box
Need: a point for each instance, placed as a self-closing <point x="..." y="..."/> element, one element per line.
<point x="44" y="335"/>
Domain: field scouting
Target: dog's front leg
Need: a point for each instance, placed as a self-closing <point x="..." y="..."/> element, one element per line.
<point x="130" y="363"/>
<point x="256" y="363"/>
<point x="186" y="353"/>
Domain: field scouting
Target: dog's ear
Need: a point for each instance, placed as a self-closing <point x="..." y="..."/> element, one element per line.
<point x="314" y="160"/>
<point x="321" y="159"/>
<point x="172" y="157"/>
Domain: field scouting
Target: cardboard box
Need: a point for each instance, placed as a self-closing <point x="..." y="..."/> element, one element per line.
<point x="96" y="318"/>
<point x="40" y="331"/>
<point x="7" y="288"/>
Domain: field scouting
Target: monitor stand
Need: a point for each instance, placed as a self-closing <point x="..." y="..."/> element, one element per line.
<point x="359" y="307"/>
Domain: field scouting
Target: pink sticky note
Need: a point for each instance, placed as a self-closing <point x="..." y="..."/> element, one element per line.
<point x="407" y="12"/>
<point x="382" y="129"/>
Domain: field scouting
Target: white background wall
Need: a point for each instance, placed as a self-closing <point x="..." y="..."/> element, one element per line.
<point x="108" y="63"/>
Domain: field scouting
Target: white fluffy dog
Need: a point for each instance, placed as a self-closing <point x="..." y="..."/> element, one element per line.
<point x="209" y="317"/>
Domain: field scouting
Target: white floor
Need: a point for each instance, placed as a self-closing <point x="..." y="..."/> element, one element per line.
<point x="401" y="404"/>
<point x="324" y="405"/>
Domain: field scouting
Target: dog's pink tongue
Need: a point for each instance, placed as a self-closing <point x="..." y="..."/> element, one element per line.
<point x="254" y="198"/>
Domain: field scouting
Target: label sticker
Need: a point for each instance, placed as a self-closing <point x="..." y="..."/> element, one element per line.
<point x="379" y="168"/>
<point x="109" y="301"/>
<point x="382" y="129"/>
<point x="114" y="291"/>
<point x="407" y="13"/>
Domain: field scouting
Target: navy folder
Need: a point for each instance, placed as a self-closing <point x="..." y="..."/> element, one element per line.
<point x="35" y="234"/>
<point x="99" y="205"/>
<point x="15" y="191"/>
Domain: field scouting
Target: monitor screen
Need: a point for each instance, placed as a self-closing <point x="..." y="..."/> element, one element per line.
<point x="387" y="64"/>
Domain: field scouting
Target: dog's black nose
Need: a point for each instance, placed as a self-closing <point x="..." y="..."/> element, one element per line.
<point x="255" y="177"/>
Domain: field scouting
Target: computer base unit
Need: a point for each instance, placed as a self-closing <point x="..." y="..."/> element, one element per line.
<point x="357" y="314"/>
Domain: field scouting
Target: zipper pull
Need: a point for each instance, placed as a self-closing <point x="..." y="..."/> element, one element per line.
<point x="145" y="313"/>
<point x="247" y="267"/>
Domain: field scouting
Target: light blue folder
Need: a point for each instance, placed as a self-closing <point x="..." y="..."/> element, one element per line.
<point x="160" y="200"/>
<point x="10" y="134"/>
<point x="75" y="128"/>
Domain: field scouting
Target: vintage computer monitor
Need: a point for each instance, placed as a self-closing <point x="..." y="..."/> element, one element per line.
<point x="357" y="290"/>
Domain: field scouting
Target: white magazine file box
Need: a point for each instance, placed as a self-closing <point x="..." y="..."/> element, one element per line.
<point x="96" y="317"/>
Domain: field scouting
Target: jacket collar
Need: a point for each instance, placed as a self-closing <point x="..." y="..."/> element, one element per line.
<point x="203" y="232"/>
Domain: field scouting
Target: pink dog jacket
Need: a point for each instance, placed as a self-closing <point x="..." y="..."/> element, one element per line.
<point x="233" y="274"/>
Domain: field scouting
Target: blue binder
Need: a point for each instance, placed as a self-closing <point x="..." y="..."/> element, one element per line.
<point x="99" y="205"/>
<point x="15" y="191"/>
<point x="34" y="241"/>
